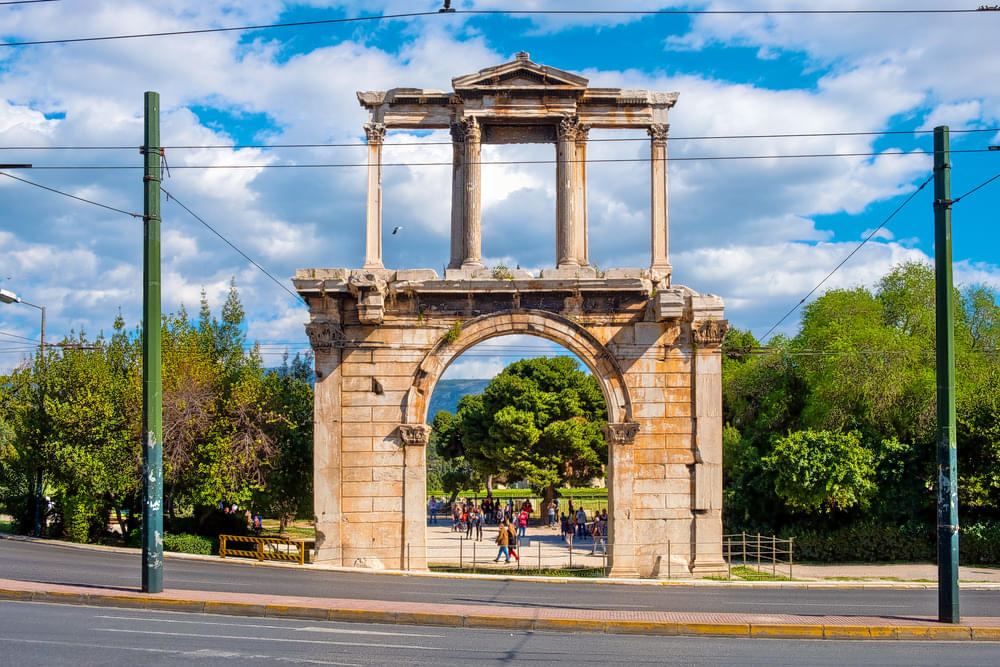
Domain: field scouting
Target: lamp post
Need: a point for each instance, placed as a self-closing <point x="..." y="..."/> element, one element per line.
<point x="6" y="296"/>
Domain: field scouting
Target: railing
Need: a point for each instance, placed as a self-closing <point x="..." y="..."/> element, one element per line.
<point x="265" y="548"/>
<point x="758" y="553"/>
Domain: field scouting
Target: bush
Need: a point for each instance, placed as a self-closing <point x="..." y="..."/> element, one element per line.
<point x="188" y="544"/>
<point x="868" y="542"/>
<point x="79" y="517"/>
<point x="979" y="544"/>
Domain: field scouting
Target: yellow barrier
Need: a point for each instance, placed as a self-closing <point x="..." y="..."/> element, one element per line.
<point x="261" y="551"/>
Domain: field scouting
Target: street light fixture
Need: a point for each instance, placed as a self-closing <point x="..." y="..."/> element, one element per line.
<point x="6" y="296"/>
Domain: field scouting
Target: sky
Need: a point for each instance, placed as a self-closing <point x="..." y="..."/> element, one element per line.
<point x="761" y="233"/>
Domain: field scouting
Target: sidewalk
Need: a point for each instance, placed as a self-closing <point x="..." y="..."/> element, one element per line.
<point x="787" y="626"/>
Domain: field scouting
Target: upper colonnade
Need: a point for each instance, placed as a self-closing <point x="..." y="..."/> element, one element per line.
<point x="520" y="102"/>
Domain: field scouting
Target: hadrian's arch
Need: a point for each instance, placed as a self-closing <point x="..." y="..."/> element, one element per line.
<point x="383" y="337"/>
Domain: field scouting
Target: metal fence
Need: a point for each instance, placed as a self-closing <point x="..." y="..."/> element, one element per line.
<point x="761" y="554"/>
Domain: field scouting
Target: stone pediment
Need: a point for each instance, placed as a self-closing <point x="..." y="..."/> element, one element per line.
<point x="520" y="74"/>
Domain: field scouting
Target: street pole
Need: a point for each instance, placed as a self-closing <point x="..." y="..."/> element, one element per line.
<point x="45" y="379"/>
<point x="947" y="499"/>
<point x="152" y="406"/>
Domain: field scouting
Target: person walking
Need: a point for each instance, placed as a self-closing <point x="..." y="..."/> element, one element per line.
<point x="469" y="517"/>
<point x="479" y="519"/>
<point x="552" y="515"/>
<point x="522" y="524"/>
<point x="581" y="523"/>
<point x="512" y="541"/>
<point x="503" y="541"/>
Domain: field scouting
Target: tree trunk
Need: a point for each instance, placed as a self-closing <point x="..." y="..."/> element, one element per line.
<point x="489" y="485"/>
<point x="118" y="516"/>
<point x="549" y="496"/>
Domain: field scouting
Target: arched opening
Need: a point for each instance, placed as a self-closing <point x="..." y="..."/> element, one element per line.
<point x="518" y="439"/>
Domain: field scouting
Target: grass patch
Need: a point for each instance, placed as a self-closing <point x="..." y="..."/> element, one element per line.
<point x="752" y="574"/>
<point x="6" y="526"/>
<point x="297" y="530"/>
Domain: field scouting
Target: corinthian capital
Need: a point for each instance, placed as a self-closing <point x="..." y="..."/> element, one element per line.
<point x="375" y="132"/>
<point x="658" y="132"/>
<point x="463" y="130"/>
<point x="572" y="129"/>
<point x="709" y="332"/>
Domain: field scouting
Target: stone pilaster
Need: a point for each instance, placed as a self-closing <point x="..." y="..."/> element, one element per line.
<point x="660" y="223"/>
<point x="375" y="135"/>
<point x="414" y="438"/>
<point x="621" y="459"/>
<point x="325" y="335"/>
<point x="707" y="336"/>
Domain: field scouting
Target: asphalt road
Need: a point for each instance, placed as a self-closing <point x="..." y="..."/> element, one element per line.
<point x="49" y="634"/>
<point x="53" y="563"/>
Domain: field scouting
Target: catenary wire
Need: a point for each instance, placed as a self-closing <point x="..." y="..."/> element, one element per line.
<point x="31" y="340"/>
<point x="355" y="144"/>
<point x="851" y="254"/>
<point x="496" y="12"/>
<point x="66" y="194"/>
<point x="332" y="165"/>
<point x="231" y="244"/>
<point x="981" y="185"/>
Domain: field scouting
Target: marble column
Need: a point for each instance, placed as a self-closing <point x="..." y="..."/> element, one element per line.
<point x="660" y="220"/>
<point x="580" y="190"/>
<point x="472" y="257"/>
<point x="375" y="134"/>
<point x="570" y="207"/>
<point x="621" y="472"/>
<point x="457" y="195"/>
<point x="413" y="438"/>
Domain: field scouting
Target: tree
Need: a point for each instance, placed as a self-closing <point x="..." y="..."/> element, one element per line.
<point x="538" y="420"/>
<point x="822" y="471"/>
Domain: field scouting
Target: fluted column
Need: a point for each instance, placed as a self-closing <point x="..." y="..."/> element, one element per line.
<point x="472" y="208"/>
<point x="580" y="191"/>
<point x="457" y="195"/>
<point x="567" y="215"/>
<point x="660" y="221"/>
<point x="375" y="134"/>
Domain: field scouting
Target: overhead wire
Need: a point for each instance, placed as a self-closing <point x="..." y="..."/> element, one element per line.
<point x="66" y="194"/>
<point x="495" y="12"/>
<point x="981" y="185"/>
<point x="355" y="144"/>
<point x="31" y="340"/>
<point x="232" y="245"/>
<point x="334" y="165"/>
<point x="851" y="254"/>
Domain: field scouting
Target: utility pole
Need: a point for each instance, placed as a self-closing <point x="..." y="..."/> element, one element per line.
<point x="947" y="499"/>
<point x="152" y="388"/>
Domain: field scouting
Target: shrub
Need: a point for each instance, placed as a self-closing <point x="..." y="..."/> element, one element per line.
<point x="868" y="542"/>
<point x="79" y="513"/>
<point x="187" y="544"/>
<point x="979" y="543"/>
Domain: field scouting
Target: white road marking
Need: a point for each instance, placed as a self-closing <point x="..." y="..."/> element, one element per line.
<point x="202" y="653"/>
<point x="270" y="639"/>
<point x="271" y="627"/>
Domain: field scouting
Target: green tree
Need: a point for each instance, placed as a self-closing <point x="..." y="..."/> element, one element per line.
<point x="822" y="471"/>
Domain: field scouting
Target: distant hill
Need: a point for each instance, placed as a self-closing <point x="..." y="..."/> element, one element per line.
<point x="447" y="393"/>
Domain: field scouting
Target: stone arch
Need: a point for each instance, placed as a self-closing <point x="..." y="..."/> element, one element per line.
<point x="550" y="326"/>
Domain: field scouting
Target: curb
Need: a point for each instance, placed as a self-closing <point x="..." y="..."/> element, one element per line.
<point x="501" y="576"/>
<point x="486" y="621"/>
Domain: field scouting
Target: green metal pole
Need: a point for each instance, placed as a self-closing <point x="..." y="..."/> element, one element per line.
<point x="152" y="406"/>
<point x="947" y="500"/>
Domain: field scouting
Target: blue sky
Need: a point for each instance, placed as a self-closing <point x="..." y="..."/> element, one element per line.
<point x="760" y="233"/>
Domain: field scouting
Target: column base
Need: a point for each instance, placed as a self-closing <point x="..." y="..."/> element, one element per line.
<point x="373" y="265"/>
<point x="623" y="572"/>
<point x="570" y="273"/>
<point x="709" y="566"/>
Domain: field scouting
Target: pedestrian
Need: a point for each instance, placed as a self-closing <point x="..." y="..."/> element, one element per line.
<point x="456" y="516"/>
<point x="432" y="507"/>
<point x="503" y="540"/>
<point x="598" y="533"/>
<point x="563" y="526"/>
<point x="468" y="522"/>
<point x="479" y="524"/>
<point x="522" y="523"/>
<point x="512" y="541"/>
<point x="581" y="523"/>
<point x="552" y="515"/>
